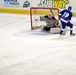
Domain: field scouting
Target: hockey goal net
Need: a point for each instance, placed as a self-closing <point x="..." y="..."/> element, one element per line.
<point x="37" y="12"/>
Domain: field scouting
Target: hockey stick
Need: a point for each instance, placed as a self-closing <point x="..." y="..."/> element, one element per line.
<point x="74" y="24"/>
<point x="52" y="13"/>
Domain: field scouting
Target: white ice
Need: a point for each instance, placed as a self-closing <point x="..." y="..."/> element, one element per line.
<point x="26" y="52"/>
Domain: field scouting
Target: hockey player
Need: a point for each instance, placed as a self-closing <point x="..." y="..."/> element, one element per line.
<point x="50" y="20"/>
<point x="65" y="18"/>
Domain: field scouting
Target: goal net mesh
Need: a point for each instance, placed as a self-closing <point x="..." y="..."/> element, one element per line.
<point x="36" y="14"/>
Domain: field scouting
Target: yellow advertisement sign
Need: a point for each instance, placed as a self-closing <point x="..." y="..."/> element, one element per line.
<point x="53" y="3"/>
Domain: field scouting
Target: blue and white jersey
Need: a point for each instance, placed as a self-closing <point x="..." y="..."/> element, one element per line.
<point x="65" y="15"/>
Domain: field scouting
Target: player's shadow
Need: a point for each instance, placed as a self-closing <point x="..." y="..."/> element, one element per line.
<point x="33" y="33"/>
<point x="59" y="37"/>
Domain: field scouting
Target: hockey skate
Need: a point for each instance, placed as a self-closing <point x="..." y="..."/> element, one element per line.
<point x="72" y="34"/>
<point x="62" y="33"/>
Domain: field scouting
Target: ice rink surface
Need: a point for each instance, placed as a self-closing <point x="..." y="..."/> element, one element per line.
<point x="26" y="52"/>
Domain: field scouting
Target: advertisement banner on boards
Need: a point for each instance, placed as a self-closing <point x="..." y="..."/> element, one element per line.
<point x="16" y="4"/>
<point x="26" y="4"/>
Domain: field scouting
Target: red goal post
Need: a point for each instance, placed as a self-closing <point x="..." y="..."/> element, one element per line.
<point x="36" y="12"/>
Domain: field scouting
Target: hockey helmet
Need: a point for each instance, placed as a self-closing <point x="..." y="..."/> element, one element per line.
<point x="70" y="8"/>
<point x="50" y="15"/>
